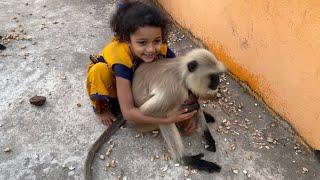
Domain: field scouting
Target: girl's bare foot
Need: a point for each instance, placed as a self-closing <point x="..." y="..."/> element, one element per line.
<point x="107" y="118"/>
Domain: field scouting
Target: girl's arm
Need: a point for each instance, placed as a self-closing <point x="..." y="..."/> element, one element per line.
<point x="132" y="113"/>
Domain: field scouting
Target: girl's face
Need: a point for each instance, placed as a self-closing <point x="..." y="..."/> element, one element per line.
<point x="145" y="43"/>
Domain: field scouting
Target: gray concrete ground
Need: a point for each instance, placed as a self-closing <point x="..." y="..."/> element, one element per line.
<point x="48" y="44"/>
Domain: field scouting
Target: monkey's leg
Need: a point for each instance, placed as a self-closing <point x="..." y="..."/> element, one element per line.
<point x="206" y="132"/>
<point x="173" y="139"/>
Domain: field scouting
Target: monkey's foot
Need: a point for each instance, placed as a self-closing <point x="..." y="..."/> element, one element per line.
<point x="2" y="47"/>
<point x="197" y="163"/>
<point x="209" y="140"/>
<point x="208" y="117"/>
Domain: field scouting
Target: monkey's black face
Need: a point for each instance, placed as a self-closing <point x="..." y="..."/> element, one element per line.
<point x="214" y="81"/>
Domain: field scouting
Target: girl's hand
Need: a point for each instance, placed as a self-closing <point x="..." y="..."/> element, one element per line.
<point x="182" y="115"/>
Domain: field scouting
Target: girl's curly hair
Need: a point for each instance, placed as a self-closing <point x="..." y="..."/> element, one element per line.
<point x="129" y="17"/>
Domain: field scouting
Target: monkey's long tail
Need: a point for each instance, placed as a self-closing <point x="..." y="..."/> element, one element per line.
<point x="105" y="136"/>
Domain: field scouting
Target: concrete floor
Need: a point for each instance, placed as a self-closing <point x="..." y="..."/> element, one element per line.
<point x="47" y="55"/>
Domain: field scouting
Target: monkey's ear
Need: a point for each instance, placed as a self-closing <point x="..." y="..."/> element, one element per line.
<point x="192" y="66"/>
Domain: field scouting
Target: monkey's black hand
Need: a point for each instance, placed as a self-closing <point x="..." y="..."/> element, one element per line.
<point x="190" y="107"/>
<point x="197" y="163"/>
<point x="208" y="117"/>
<point x="209" y="140"/>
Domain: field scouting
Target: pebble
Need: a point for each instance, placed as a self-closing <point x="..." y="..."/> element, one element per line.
<point x="7" y="150"/>
<point x="102" y="157"/>
<point x="165" y="168"/>
<point x="304" y="170"/>
<point x="235" y="171"/>
<point x="37" y="100"/>
<point x="270" y="139"/>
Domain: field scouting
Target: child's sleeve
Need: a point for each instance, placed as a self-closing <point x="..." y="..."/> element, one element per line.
<point x="120" y="70"/>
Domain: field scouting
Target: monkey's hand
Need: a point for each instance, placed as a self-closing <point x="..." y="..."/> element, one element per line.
<point x="197" y="163"/>
<point x="190" y="107"/>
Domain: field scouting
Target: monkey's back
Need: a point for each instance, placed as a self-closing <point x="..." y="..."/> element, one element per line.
<point x="160" y="77"/>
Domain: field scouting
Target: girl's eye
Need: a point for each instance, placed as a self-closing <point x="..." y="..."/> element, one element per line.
<point x="157" y="41"/>
<point x="142" y="42"/>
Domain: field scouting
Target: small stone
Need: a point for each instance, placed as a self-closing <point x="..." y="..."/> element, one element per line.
<point x="177" y="165"/>
<point x="113" y="163"/>
<point x="108" y="165"/>
<point x="55" y="22"/>
<point x="255" y="104"/>
<point x="37" y="100"/>
<point x="152" y="158"/>
<point x="79" y="105"/>
<point x="6" y="150"/>
<point x="235" y="171"/>
<point x="34" y="43"/>
<point x="233" y="147"/>
<point x="304" y="170"/>
<point x="164" y="169"/>
<point x="245" y="172"/>
<point x="71" y="168"/>
<point x="260" y="117"/>
<point x="267" y="147"/>
<point x="23" y="47"/>
<point x="64" y="78"/>
<point x="102" y="157"/>
<point x="269" y="139"/>
<point x="137" y="136"/>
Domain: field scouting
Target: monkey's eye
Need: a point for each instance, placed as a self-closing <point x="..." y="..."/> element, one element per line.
<point x="192" y="66"/>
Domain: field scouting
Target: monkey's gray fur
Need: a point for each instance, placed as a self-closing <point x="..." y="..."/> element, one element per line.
<point x="161" y="87"/>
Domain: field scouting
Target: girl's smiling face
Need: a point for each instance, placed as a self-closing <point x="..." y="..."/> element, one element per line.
<point x="145" y="43"/>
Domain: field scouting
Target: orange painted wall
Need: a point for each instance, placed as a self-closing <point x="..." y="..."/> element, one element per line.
<point x="274" y="46"/>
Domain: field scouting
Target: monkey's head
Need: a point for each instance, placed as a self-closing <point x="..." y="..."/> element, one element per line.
<point x="201" y="72"/>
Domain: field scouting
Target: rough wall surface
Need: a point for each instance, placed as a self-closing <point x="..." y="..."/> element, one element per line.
<point x="271" y="45"/>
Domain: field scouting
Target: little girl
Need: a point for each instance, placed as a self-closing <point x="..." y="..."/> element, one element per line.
<point x="139" y="37"/>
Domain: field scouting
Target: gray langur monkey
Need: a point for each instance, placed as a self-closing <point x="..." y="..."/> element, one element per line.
<point x="160" y="88"/>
